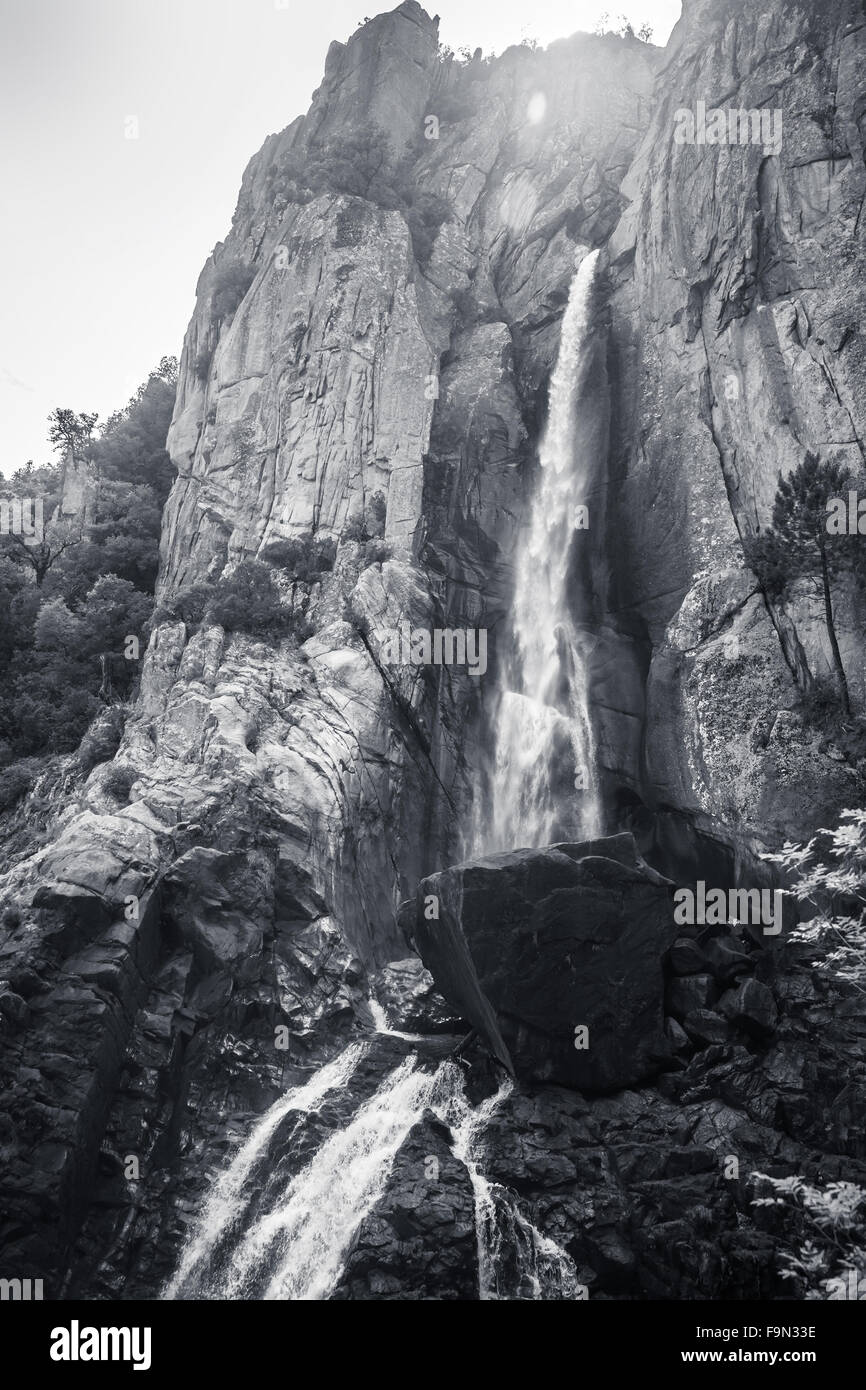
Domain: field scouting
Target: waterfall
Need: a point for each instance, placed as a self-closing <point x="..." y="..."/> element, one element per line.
<point x="544" y="782"/>
<point x="381" y="1024"/>
<point x="271" y="1230"/>
<point x="295" y="1248"/>
<point x="225" y="1208"/>
<point x="294" y="1245"/>
<point x="516" y="1261"/>
<point x="520" y="1263"/>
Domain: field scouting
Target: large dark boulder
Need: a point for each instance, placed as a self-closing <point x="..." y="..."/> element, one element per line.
<point x="534" y="945"/>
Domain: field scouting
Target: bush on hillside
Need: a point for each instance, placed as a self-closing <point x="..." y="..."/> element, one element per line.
<point x="247" y="600"/>
<point x="232" y="278"/>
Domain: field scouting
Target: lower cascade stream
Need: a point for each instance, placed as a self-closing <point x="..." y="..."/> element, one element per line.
<point x="263" y="1235"/>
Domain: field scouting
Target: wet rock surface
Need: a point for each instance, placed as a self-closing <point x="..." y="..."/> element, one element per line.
<point x="636" y="1188"/>
<point x="412" y="1004"/>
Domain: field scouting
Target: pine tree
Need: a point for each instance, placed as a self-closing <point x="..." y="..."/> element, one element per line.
<point x="797" y="545"/>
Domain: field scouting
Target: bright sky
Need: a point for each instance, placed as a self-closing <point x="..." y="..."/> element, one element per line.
<point x="104" y="236"/>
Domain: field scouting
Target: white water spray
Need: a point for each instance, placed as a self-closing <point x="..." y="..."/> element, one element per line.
<point x="516" y="1261"/>
<point x="296" y="1247"/>
<point x="302" y="1241"/>
<point x="226" y="1206"/>
<point x="381" y="1024"/>
<point x="544" y="781"/>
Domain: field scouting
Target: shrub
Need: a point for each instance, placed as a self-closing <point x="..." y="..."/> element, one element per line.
<point x="102" y="740"/>
<point x="376" y="552"/>
<point x="836" y="891"/>
<point x="288" y="181"/>
<point x="355" y="530"/>
<point x="377" y="511"/>
<point x="359" y="621"/>
<point x="201" y="365"/>
<point x="230" y="283"/>
<point x="363" y="163"/>
<point x="825" y="1230"/>
<point x="16" y="780"/>
<point x="819" y="705"/>
<point x="464" y="302"/>
<point x="304" y="557"/>
<point x="186" y="606"/>
<point x="326" y="554"/>
<point x="242" y="440"/>
<point x="368" y="525"/>
<point x="425" y="218"/>
<point x="118" y="780"/>
<point x="455" y="106"/>
<point x="247" y="600"/>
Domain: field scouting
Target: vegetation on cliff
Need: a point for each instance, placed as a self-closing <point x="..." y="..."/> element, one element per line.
<point x="75" y="596"/>
<point x="798" y="546"/>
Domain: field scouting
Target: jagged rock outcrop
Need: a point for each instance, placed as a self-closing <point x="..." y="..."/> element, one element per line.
<point x="407" y="993"/>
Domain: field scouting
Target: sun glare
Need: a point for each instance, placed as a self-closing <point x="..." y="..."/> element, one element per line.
<point x="536" y="109"/>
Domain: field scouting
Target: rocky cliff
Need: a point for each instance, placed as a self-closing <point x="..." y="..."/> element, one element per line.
<point x="374" y="338"/>
<point x="738" y="275"/>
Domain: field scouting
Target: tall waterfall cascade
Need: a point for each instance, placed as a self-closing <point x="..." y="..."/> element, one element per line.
<point x="515" y="1259"/>
<point x="274" y="1230"/>
<point x="543" y="785"/>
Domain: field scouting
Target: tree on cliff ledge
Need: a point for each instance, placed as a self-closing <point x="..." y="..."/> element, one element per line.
<point x="797" y="545"/>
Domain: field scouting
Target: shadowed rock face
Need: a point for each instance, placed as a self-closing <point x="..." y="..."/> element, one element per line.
<point x="535" y="946"/>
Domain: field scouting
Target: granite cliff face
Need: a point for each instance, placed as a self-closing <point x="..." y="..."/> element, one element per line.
<point x="289" y="794"/>
<point x="728" y="345"/>
<point x="349" y="369"/>
<point x="738" y="288"/>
